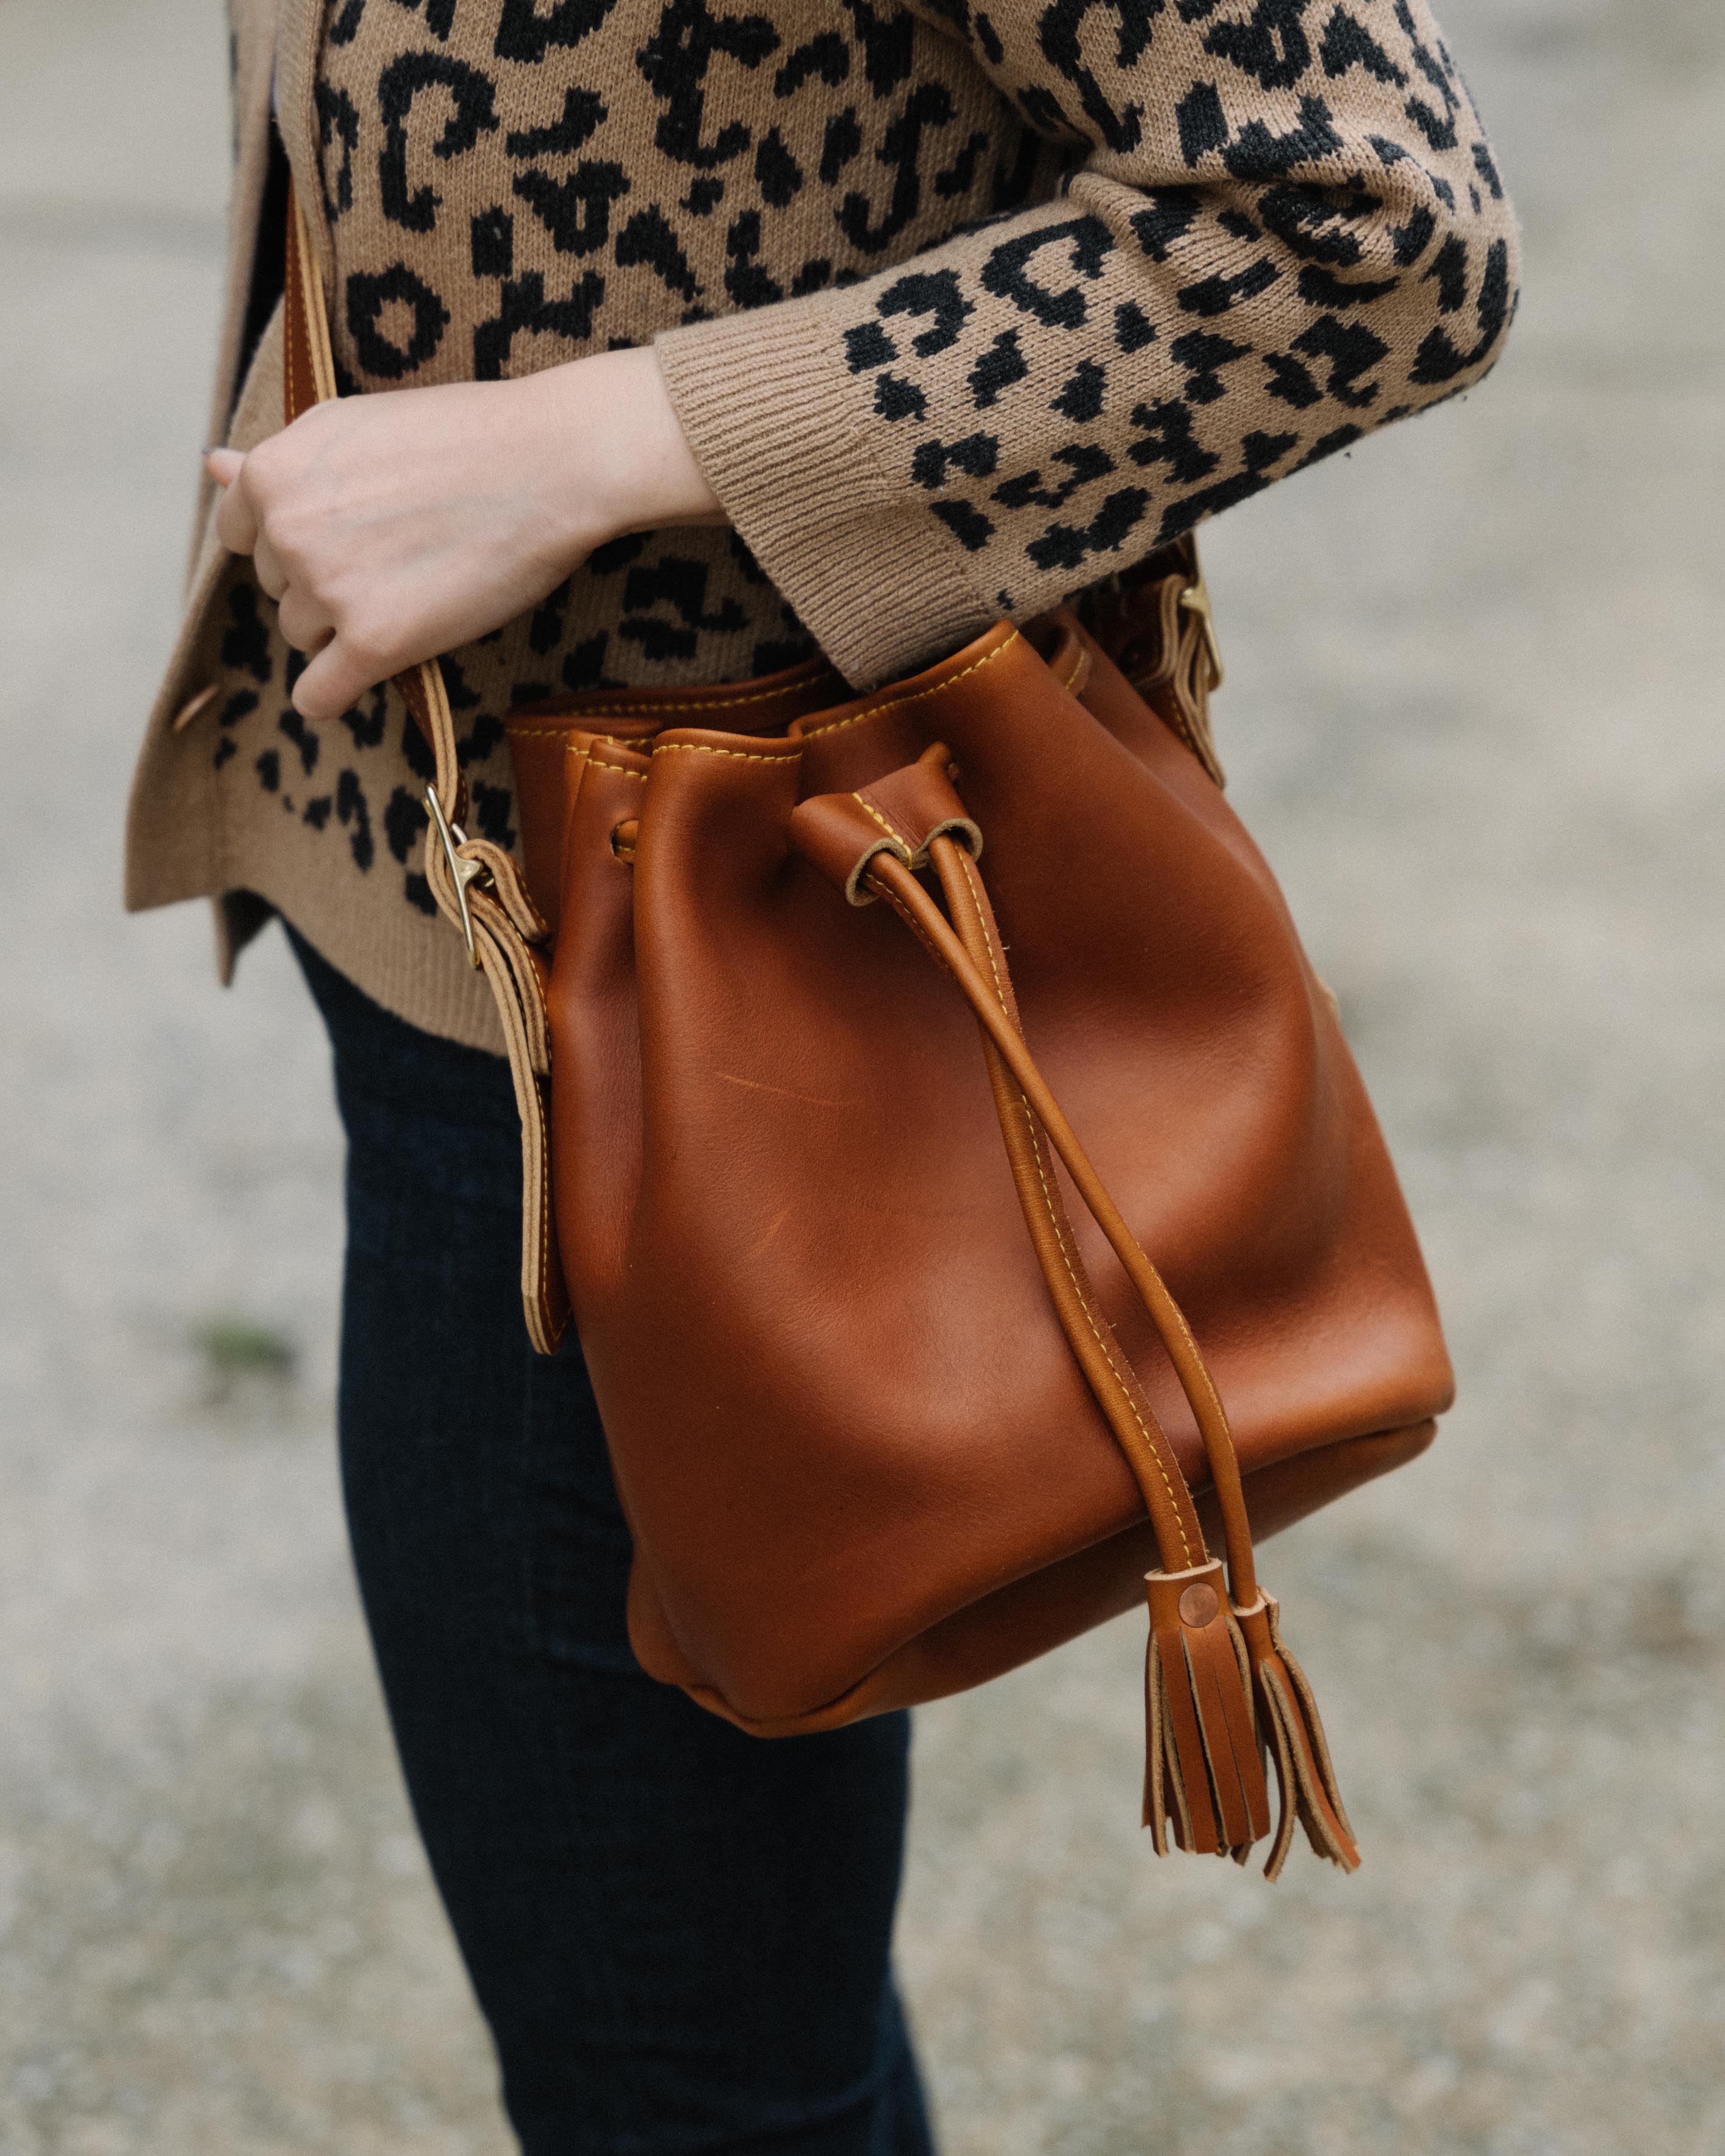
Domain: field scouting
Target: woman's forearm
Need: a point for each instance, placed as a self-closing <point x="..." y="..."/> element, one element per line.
<point x="392" y="528"/>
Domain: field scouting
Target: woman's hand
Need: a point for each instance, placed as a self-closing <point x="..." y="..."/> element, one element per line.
<point x="395" y="526"/>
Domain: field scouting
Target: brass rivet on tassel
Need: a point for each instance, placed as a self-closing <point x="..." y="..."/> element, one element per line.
<point x="1199" y="1605"/>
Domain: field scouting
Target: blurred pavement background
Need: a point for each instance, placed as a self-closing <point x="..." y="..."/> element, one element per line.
<point x="1474" y="714"/>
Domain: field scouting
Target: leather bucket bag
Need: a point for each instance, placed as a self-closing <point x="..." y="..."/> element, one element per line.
<point x="869" y="1050"/>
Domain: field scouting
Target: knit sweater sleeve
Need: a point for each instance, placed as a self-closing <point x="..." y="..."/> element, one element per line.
<point x="1280" y="226"/>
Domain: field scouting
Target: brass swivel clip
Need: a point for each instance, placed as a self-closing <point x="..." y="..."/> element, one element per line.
<point x="462" y="872"/>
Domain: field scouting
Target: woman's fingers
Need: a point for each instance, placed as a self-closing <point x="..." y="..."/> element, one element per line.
<point x="334" y="680"/>
<point x="305" y="624"/>
<point x="236" y="519"/>
<point x="389" y="528"/>
<point x="271" y="575"/>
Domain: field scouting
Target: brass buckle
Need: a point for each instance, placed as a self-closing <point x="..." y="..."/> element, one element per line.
<point x="1196" y="599"/>
<point x="462" y="872"/>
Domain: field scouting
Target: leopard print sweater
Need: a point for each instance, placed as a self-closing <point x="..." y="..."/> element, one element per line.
<point x="963" y="308"/>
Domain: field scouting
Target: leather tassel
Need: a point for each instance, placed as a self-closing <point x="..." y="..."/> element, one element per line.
<point x="1204" y="1772"/>
<point x="1305" y="1779"/>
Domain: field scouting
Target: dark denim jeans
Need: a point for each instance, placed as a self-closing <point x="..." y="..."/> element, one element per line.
<point x="679" y="1934"/>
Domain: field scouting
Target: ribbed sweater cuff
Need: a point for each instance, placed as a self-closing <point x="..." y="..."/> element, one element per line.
<point x="769" y="412"/>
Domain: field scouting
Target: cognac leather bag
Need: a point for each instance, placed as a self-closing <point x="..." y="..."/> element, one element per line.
<point x="968" y="1206"/>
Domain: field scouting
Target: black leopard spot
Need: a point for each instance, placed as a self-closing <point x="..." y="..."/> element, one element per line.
<point x="368" y="296"/>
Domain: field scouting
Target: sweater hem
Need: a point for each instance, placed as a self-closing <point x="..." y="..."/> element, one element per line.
<point x="765" y="407"/>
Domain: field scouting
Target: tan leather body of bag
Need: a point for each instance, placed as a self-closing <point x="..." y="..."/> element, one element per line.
<point x="870" y="1048"/>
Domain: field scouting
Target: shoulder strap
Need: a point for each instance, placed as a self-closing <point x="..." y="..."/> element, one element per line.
<point x="309" y="379"/>
<point x="477" y="886"/>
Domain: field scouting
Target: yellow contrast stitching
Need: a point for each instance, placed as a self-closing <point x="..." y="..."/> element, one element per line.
<point x="571" y="722"/>
<point x="543" y="1150"/>
<point x="517" y="1002"/>
<point x="1090" y="1319"/>
<point x="741" y="755"/>
<point x="287" y="356"/>
<point x="915" y="926"/>
<point x="577" y="753"/>
<point x="1033" y="1128"/>
<point x="702" y="704"/>
<point x="896" y="703"/>
<point x="963" y="853"/>
<point x="764" y="696"/>
<point x="885" y="823"/>
<point x="1187" y="1335"/>
<point x="288" y="341"/>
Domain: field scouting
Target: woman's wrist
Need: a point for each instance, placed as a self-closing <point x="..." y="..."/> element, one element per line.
<point x="389" y="529"/>
<point x="617" y="454"/>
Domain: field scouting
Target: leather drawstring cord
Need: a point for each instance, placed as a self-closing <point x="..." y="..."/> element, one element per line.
<point x="1220" y="1688"/>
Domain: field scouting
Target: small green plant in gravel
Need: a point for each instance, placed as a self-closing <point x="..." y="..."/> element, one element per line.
<point x="241" y="1350"/>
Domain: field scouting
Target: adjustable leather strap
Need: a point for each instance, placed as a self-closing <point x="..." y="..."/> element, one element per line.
<point x="476" y="885"/>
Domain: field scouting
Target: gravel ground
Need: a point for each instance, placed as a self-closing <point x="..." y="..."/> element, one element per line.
<point x="1474" y="714"/>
